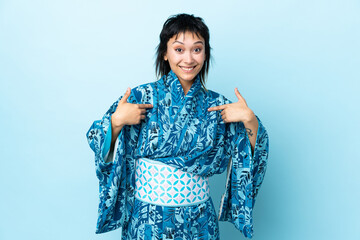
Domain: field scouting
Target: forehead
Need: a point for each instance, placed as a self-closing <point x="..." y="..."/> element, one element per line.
<point x="188" y="35"/>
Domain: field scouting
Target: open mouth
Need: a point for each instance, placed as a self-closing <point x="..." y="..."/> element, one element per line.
<point x="187" y="68"/>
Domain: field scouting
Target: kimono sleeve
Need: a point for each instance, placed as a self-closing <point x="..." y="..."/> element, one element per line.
<point x="245" y="174"/>
<point x="99" y="140"/>
<point x="111" y="174"/>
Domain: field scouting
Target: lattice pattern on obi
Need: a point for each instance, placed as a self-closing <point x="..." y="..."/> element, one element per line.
<point x="161" y="184"/>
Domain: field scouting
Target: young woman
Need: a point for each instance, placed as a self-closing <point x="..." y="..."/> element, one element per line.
<point x="159" y="143"/>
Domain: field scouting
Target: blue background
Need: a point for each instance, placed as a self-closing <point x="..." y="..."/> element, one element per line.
<point x="63" y="63"/>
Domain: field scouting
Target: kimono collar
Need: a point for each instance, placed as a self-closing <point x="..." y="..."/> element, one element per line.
<point x="172" y="82"/>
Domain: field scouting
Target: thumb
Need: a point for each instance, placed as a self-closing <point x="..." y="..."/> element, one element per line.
<point x="240" y="98"/>
<point x="126" y="95"/>
<point x="237" y="93"/>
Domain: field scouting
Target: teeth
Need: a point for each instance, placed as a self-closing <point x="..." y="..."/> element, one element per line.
<point x="187" y="68"/>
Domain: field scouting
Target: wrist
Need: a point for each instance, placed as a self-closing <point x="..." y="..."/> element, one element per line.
<point x="117" y="123"/>
<point x="250" y="117"/>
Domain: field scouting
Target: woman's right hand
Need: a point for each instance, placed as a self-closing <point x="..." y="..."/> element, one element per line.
<point x="128" y="113"/>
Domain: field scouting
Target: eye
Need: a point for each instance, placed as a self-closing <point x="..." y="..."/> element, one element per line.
<point x="178" y="49"/>
<point x="198" y="49"/>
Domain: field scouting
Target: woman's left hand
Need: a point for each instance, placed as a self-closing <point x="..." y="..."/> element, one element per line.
<point x="235" y="112"/>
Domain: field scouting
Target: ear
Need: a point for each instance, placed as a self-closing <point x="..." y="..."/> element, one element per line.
<point x="165" y="58"/>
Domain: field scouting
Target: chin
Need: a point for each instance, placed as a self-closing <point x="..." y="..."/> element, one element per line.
<point x="187" y="77"/>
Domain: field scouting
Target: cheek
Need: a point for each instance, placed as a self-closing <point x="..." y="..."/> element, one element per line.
<point x="173" y="58"/>
<point x="201" y="57"/>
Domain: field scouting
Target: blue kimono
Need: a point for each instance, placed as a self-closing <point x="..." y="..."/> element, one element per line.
<point x="180" y="132"/>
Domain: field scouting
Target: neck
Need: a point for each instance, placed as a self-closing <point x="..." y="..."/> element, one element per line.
<point x="186" y="86"/>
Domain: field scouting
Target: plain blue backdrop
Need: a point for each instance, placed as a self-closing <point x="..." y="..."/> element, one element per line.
<point x="63" y="63"/>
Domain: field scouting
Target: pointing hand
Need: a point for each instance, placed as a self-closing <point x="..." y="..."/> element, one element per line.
<point x="128" y="113"/>
<point x="235" y="112"/>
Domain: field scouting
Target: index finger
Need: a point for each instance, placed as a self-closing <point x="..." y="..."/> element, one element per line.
<point x="217" y="108"/>
<point x="145" y="105"/>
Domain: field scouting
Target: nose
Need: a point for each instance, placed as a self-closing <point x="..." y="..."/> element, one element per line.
<point x="188" y="58"/>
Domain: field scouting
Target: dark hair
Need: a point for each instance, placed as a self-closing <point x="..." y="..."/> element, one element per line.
<point x="174" y="25"/>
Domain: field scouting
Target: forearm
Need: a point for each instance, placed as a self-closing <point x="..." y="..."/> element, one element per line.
<point x="251" y="126"/>
<point x="115" y="130"/>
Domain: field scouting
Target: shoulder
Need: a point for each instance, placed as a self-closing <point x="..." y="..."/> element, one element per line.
<point x="217" y="97"/>
<point x="142" y="93"/>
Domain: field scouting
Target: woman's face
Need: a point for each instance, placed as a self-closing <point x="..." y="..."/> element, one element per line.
<point x="186" y="56"/>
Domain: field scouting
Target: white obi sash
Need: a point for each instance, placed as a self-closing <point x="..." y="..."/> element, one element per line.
<point x="161" y="184"/>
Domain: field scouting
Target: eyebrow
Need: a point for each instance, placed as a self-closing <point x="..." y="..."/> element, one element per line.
<point x="183" y="43"/>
